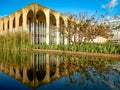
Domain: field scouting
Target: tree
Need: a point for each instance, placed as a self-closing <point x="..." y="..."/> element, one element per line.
<point x="85" y="28"/>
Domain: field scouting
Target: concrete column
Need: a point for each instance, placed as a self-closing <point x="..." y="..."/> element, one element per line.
<point x="1" y="25"/>
<point x="24" y="20"/>
<point x="10" y="23"/>
<point x="16" y="21"/>
<point x="5" y="25"/>
<point x="58" y="27"/>
<point x="47" y="14"/>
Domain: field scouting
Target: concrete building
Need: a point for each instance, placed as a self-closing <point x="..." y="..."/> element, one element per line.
<point x="47" y="23"/>
<point x="43" y="23"/>
<point x="114" y="23"/>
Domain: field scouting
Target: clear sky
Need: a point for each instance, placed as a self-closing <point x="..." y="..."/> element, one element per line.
<point x="74" y="6"/>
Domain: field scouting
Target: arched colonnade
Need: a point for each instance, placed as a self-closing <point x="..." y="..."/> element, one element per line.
<point x="48" y="22"/>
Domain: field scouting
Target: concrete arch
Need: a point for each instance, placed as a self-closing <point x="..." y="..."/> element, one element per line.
<point x="3" y="26"/>
<point x="52" y="19"/>
<point x="30" y="20"/>
<point x="21" y="20"/>
<point x="40" y="16"/>
<point x="14" y="24"/>
<point x="62" y="23"/>
<point x="62" y="28"/>
<point x="53" y="29"/>
<point x="30" y="17"/>
<point x="40" y="27"/>
<point x="8" y="25"/>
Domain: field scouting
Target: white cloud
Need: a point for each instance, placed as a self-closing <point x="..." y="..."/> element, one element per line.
<point x="111" y="4"/>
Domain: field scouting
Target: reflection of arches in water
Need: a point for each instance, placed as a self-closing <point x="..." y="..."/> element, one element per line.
<point x="52" y="70"/>
<point x="52" y="65"/>
<point x="14" y="70"/>
<point x="41" y="74"/>
<point x="40" y="66"/>
<point x="30" y="74"/>
<point x="21" y="72"/>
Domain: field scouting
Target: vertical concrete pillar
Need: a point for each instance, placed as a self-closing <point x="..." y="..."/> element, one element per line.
<point x="5" y="25"/>
<point x="10" y="23"/>
<point x="58" y="27"/>
<point x="16" y="21"/>
<point x="24" y="20"/>
<point x="47" y="14"/>
<point x="1" y="25"/>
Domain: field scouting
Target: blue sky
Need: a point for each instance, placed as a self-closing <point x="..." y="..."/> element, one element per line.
<point x="74" y="6"/>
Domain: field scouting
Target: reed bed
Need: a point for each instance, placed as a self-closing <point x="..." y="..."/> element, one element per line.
<point x="15" y="41"/>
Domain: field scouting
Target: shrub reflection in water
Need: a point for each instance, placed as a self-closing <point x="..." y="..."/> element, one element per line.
<point x="38" y="70"/>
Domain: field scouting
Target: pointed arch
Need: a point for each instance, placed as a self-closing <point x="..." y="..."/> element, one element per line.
<point x="3" y="27"/>
<point x="40" y="27"/>
<point x="20" y="21"/>
<point x="52" y="29"/>
<point x="8" y="26"/>
<point x="62" y="28"/>
<point x="30" y="21"/>
<point x="13" y="25"/>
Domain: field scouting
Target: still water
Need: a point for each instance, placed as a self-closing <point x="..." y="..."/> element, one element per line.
<point x="43" y="71"/>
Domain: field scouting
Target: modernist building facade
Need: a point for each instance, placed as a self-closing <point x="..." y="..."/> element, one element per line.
<point x="116" y="31"/>
<point x="47" y="23"/>
<point x="43" y="23"/>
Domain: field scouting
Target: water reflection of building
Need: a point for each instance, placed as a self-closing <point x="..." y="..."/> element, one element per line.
<point x="38" y="69"/>
<point x="42" y="69"/>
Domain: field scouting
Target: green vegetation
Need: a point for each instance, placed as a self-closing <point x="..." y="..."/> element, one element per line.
<point x="15" y="41"/>
<point x="22" y="41"/>
<point x="15" y="58"/>
<point x="85" y="47"/>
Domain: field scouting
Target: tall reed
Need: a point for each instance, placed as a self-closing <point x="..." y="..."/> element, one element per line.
<point x="15" y="41"/>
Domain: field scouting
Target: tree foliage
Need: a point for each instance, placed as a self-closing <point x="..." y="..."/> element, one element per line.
<point x="84" y="28"/>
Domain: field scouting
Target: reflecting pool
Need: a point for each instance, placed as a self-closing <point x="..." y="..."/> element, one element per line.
<point x="43" y="71"/>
